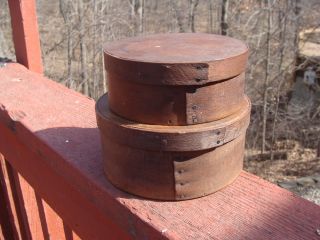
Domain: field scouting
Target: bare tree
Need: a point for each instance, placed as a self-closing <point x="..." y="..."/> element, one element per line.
<point x="266" y="87"/>
<point x="137" y="15"/>
<point x="193" y="4"/>
<point x="83" y="50"/>
<point x="94" y="47"/>
<point x="178" y="15"/>
<point x="224" y="16"/>
<point x="141" y="16"/>
<point x="210" y="16"/>
<point x="66" y="9"/>
<point x="101" y="65"/>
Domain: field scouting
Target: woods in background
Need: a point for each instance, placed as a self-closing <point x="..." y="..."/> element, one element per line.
<point x="73" y="34"/>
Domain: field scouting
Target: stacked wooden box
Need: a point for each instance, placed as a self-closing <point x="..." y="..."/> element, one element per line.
<point x="174" y="120"/>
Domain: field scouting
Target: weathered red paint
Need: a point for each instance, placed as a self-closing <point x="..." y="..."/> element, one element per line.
<point x="11" y="202"/>
<point x="6" y="212"/>
<point x="25" y="34"/>
<point x="49" y="135"/>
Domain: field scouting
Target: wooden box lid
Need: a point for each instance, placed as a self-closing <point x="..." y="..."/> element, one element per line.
<point x="171" y="138"/>
<point x="176" y="58"/>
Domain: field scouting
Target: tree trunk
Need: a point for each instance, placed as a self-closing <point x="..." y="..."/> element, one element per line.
<point x="102" y="69"/>
<point x="65" y="11"/>
<point x="94" y="79"/>
<point x="178" y="16"/>
<point x="192" y="9"/>
<point x="83" y="50"/>
<point x="266" y="79"/>
<point x="70" y="76"/>
<point x="141" y="16"/>
<point x="210" y="17"/>
<point x="224" y="15"/>
<point x="135" y="9"/>
<point x="283" y="26"/>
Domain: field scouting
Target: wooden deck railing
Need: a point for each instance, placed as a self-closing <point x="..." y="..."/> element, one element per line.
<point x="53" y="186"/>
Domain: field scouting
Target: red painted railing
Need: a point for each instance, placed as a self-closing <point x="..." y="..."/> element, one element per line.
<point x="25" y="34"/>
<point x="53" y="186"/>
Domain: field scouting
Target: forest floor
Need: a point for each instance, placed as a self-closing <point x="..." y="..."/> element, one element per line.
<point x="299" y="162"/>
<point x="299" y="172"/>
<point x="293" y="167"/>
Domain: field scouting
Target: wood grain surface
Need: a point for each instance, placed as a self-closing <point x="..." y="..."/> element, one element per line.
<point x="175" y="105"/>
<point x="25" y="34"/>
<point x="60" y="144"/>
<point x="171" y="138"/>
<point x="172" y="175"/>
<point x="176" y="58"/>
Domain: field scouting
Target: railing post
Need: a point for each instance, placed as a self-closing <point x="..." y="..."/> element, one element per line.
<point x="25" y="34"/>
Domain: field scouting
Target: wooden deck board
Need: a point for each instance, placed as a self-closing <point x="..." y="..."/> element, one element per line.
<point x="57" y="128"/>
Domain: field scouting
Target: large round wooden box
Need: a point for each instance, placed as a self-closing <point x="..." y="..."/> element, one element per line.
<point x="176" y="79"/>
<point x="172" y="162"/>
